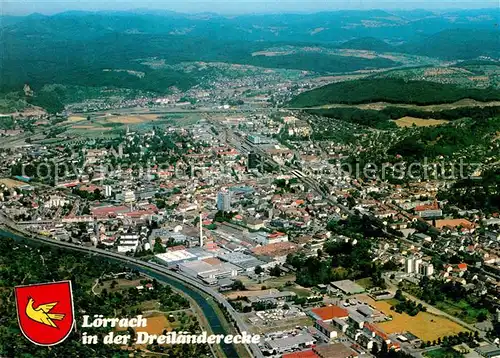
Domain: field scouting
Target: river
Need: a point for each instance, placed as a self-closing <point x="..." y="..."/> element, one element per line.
<point x="208" y="311"/>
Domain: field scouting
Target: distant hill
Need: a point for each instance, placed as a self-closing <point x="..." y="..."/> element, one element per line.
<point x="325" y="27"/>
<point x="75" y="47"/>
<point x="367" y="43"/>
<point x="390" y="90"/>
<point x="457" y="44"/>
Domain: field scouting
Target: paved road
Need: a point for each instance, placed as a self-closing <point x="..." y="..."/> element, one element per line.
<point x="316" y="185"/>
<point x="254" y="351"/>
<point x="240" y="142"/>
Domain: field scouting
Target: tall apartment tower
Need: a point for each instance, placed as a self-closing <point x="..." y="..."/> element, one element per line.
<point x="224" y="200"/>
<point x="409" y="265"/>
<point x="201" y="228"/>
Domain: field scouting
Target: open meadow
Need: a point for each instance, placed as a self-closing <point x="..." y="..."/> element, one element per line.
<point x="132" y="119"/>
<point x="419" y="122"/>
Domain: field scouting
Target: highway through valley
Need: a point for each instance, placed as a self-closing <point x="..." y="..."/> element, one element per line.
<point x="157" y="271"/>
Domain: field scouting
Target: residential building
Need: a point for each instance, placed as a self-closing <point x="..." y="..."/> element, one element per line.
<point x="224" y="200"/>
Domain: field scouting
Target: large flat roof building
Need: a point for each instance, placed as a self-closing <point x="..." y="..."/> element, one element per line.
<point x="246" y="262"/>
<point x="175" y="257"/>
<point x="489" y="351"/>
<point x="348" y="287"/>
<point x="206" y="271"/>
<point x="289" y="343"/>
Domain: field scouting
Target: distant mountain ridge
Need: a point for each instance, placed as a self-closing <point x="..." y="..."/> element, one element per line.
<point x="338" y="26"/>
<point x="457" y="43"/>
<point x="74" y="47"/>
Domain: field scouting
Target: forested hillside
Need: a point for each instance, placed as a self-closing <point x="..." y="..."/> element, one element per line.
<point x="24" y="265"/>
<point x="391" y="91"/>
<point x="82" y="62"/>
<point x="384" y="119"/>
<point x="107" y="49"/>
<point x="456" y="44"/>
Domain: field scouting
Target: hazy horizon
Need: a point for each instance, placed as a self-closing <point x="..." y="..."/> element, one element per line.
<point x="235" y="7"/>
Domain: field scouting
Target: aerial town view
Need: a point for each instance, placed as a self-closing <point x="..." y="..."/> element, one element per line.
<point x="316" y="179"/>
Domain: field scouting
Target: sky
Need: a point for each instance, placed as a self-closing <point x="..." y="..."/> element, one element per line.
<point x="24" y="7"/>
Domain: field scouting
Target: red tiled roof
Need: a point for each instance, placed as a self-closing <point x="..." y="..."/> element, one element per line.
<point x="330" y="312"/>
<point x="454" y="223"/>
<point x="278" y="248"/>
<point x="106" y="210"/>
<point x="302" y="354"/>
<point x="433" y="206"/>
<point x="276" y="234"/>
<point x="212" y="261"/>
<point x="373" y="328"/>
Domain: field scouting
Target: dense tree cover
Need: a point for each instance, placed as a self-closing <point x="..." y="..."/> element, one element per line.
<point x="456" y="44"/>
<point x="99" y="50"/>
<point x="495" y="332"/>
<point x="298" y="300"/>
<point x="319" y="62"/>
<point x="357" y="227"/>
<point x="448" y="342"/>
<point x="483" y="193"/>
<point x="75" y="48"/>
<point x="107" y="61"/>
<point x="24" y="265"/>
<point x="238" y="305"/>
<point x="434" y="291"/>
<point x="473" y="63"/>
<point x="158" y="247"/>
<point x="369" y="118"/>
<point x="238" y="285"/>
<point x="383" y="119"/>
<point x="406" y="305"/>
<point x="367" y="43"/>
<point x="77" y="63"/>
<point x="310" y="270"/>
<point x="92" y="196"/>
<point x="340" y="260"/>
<point x="390" y="90"/>
<point x="7" y="123"/>
<point x="445" y="140"/>
<point x="415" y="28"/>
<point x="447" y="114"/>
<point x="453" y="151"/>
<point x="275" y="271"/>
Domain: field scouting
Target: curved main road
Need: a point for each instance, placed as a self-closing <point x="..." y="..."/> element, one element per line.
<point x="253" y="350"/>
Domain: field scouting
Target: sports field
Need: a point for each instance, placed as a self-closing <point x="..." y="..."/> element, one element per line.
<point x="425" y="326"/>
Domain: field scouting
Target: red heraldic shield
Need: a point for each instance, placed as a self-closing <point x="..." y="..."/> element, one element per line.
<point x="45" y="312"/>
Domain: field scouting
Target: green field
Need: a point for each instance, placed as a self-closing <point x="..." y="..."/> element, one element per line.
<point x="443" y="353"/>
<point x="366" y="283"/>
<point x="461" y="309"/>
<point x="300" y="291"/>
